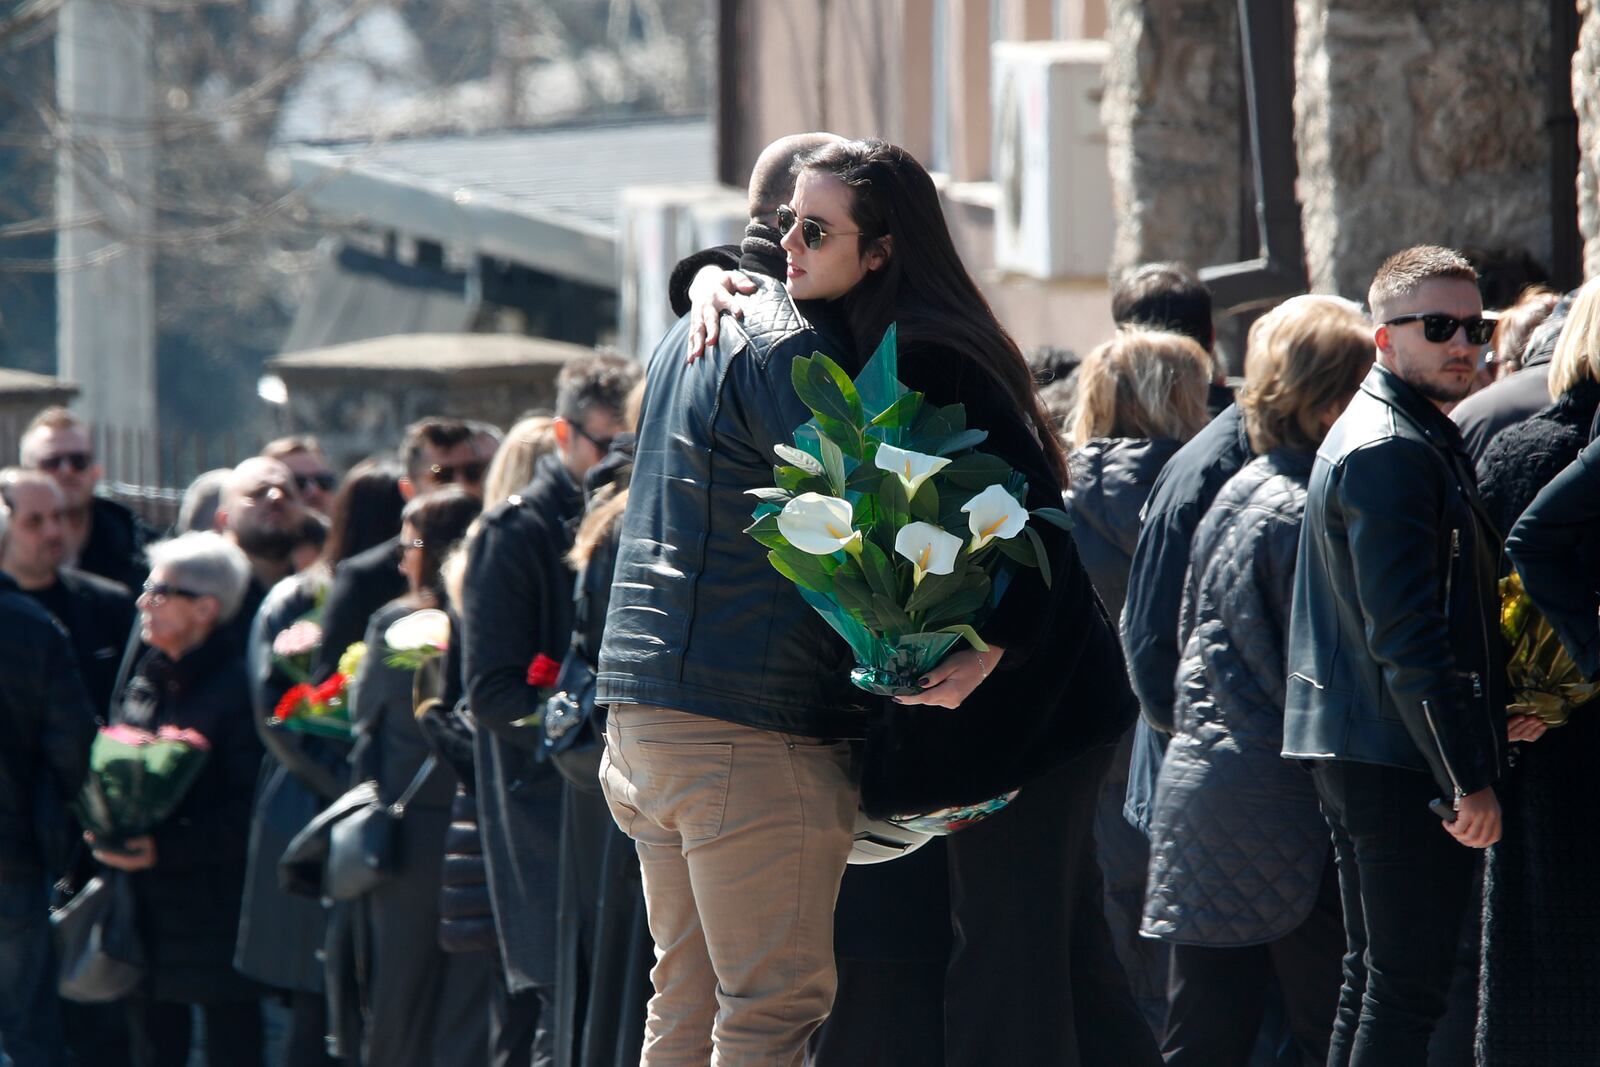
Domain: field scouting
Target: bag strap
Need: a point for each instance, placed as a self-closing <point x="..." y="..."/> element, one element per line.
<point x="398" y="808"/>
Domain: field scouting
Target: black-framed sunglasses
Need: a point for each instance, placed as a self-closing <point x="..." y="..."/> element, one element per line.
<point x="470" y="472"/>
<point x="603" y="444"/>
<point x="78" y="461"/>
<point x="811" y="231"/>
<point x="324" y="480"/>
<point x="1438" y="327"/>
<point x="160" y="592"/>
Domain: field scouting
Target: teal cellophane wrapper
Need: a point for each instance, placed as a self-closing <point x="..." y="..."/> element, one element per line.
<point x="949" y="820"/>
<point x="333" y="727"/>
<point x="888" y="668"/>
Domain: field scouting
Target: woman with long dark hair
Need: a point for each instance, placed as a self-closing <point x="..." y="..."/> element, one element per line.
<point x="1032" y="978"/>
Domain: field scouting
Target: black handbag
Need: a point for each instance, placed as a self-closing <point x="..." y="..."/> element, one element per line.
<point x="97" y="941"/>
<point x="351" y="847"/>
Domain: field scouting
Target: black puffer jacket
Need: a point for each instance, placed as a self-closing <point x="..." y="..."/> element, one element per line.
<point x="1111" y="480"/>
<point x="1524" y="458"/>
<point x="47" y="724"/>
<point x="189" y="902"/>
<point x="466" y="916"/>
<point x="699" y="620"/>
<point x="1237" y="842"/>
<point x="1395" y="656"/>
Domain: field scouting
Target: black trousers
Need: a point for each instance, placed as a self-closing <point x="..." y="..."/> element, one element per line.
<point x="1216" y="996"/>
<point x="160" y="1033"/>
<point x="521" y="1025"/>
<point x="1405" y="885"/>
<point x="1033" y="975"/>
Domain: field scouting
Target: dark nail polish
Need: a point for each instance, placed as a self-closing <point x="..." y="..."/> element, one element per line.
<point x="922" y="682"/>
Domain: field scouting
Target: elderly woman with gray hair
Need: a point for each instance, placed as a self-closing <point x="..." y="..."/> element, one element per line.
<point x="188" y="875"/>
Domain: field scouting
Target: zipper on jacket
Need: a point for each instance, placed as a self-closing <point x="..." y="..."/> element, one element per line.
<point x="1450" y="566"/>
<point x="1433" y="728"/>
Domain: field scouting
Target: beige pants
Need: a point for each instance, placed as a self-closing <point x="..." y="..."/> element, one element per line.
<point x="742" y="836"/>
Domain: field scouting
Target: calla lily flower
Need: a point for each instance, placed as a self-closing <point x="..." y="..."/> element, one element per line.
<point x="994" y="513"/>
<point x="930" y="549"/>
<point x="428" y="629"/>
<point x="818" y="524"/>
<point x="912" y="468"/>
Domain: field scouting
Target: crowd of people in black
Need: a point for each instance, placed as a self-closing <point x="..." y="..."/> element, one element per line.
<point x="1256" y="707"/>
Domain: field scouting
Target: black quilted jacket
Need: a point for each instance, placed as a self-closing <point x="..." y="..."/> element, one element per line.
<point x="1237" y="840"/>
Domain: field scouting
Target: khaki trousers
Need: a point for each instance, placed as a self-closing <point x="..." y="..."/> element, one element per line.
<point x="742" y="837"/>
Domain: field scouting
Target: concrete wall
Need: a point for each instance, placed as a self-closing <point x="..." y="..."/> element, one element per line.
<point x="1172" y="113"/>
<point x="1586" y="98"/>
<point x="1420" y="121"/>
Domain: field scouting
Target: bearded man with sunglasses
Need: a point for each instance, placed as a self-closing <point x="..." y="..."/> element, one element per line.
<point x="102" y="536"/>
<point x="1396" y="688"/>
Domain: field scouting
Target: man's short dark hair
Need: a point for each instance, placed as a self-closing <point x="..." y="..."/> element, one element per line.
<point x="1405" y="271"/>
<point x="1165" y="296"/>
<point x="293" y="445"/>
<point x="432" y="432"/>
<point x="602" y="381"/>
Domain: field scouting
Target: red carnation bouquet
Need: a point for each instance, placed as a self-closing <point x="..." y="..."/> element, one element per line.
<point x="319" y="709"/>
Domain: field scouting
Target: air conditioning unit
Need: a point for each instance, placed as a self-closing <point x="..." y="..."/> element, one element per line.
<point x="1055" y="216"/>
<point x="659" y="225"/>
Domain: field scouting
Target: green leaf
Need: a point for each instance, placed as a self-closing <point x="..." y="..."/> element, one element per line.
<point x="892" y="502"/>
<point x="925" y="505"/>
<point x="798" y="457"/>
<point x="770" y="495"/>
<point x="765" y="530"/>
<point x="796" y="480"/>
<point x="1040" y="551"/>
<point x="846" y="387"/>
<point x="879" y="571"/>
<point x="864" y="479"/>
<point x="1054" y="516"/>
<point x="969" y="633"/>
<point x="963" y="605"/>
<point x="1019" y="549"/>
<point x="959" y="440"/>
<point x="852" y="592"/>
<point x="976" y="471"/>
<point x="802" y="569"/>
<point x="819" y="391"/>
<point x="934" y="589"/>
<point x="902" y="414"/>
<point x="833" y="463"/>
<point x="892" y="619"/>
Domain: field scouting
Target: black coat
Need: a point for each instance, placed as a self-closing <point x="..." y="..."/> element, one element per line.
<point x="1524" y="458"/>
<point x="466" y="917"/>
<point x="361" y="585"/>
<point x="1238" y="843"/>
<point x="519" y="553"/>
<point x="281" y="935"/>
<point x="117" y="540"/>
<point x="1182" y="492"/>
<point x="1395" y="655"/>
<point x="1111" y="480"/>
<point x="98" y="614"/>
<point x="47" y="724"/>
<point x="189" y="902"/>
<point x="1556" y="548"/>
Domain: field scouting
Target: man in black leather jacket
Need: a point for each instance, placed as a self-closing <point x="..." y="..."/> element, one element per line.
<point x="1396" y="677"/>
<point x="729" y="700"/>
<point x="47" y="725"/>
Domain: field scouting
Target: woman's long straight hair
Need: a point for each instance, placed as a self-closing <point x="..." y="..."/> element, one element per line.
<point x="923" y="285"/>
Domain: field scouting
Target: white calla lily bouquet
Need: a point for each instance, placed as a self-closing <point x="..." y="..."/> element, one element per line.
<point x="895" y="528"/>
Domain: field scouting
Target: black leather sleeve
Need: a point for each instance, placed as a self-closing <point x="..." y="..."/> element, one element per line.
<point x="1391" y="496"/>
<point x="725" y="257"/>
<point x="1550" y="544"/>
<point x="501" y="629"/>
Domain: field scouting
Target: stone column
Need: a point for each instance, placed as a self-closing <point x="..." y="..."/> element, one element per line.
<point x="105" y="291"/>
<point x="1586" y="99"/>
<point x="1419" y="121"/>
<point x="1172" y="113"/>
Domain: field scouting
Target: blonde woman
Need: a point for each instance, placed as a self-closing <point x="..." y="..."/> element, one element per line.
<point x="1241" y="878"/>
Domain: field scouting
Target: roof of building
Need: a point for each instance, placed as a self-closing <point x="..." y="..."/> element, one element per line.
<point x="451" y="354"/>
<point x="18" y="382"/>
<point x="545" y="198"/>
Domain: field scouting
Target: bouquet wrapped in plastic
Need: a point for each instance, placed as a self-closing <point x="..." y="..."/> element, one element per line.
<point x="136" y="780"/>
<point x="1544" y="680"/>
<point x="895" y="528"/>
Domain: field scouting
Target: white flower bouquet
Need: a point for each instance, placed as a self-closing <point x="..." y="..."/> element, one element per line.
<point x="895" y="527"/>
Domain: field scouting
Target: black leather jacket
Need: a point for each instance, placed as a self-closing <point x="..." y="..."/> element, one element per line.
<point x="1394" y="643"/>
<point x="699" y="620"/>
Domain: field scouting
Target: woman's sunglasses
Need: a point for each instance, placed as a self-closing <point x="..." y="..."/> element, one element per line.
<point x="1438" y="327"/>
<point x="811" y="231"/>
